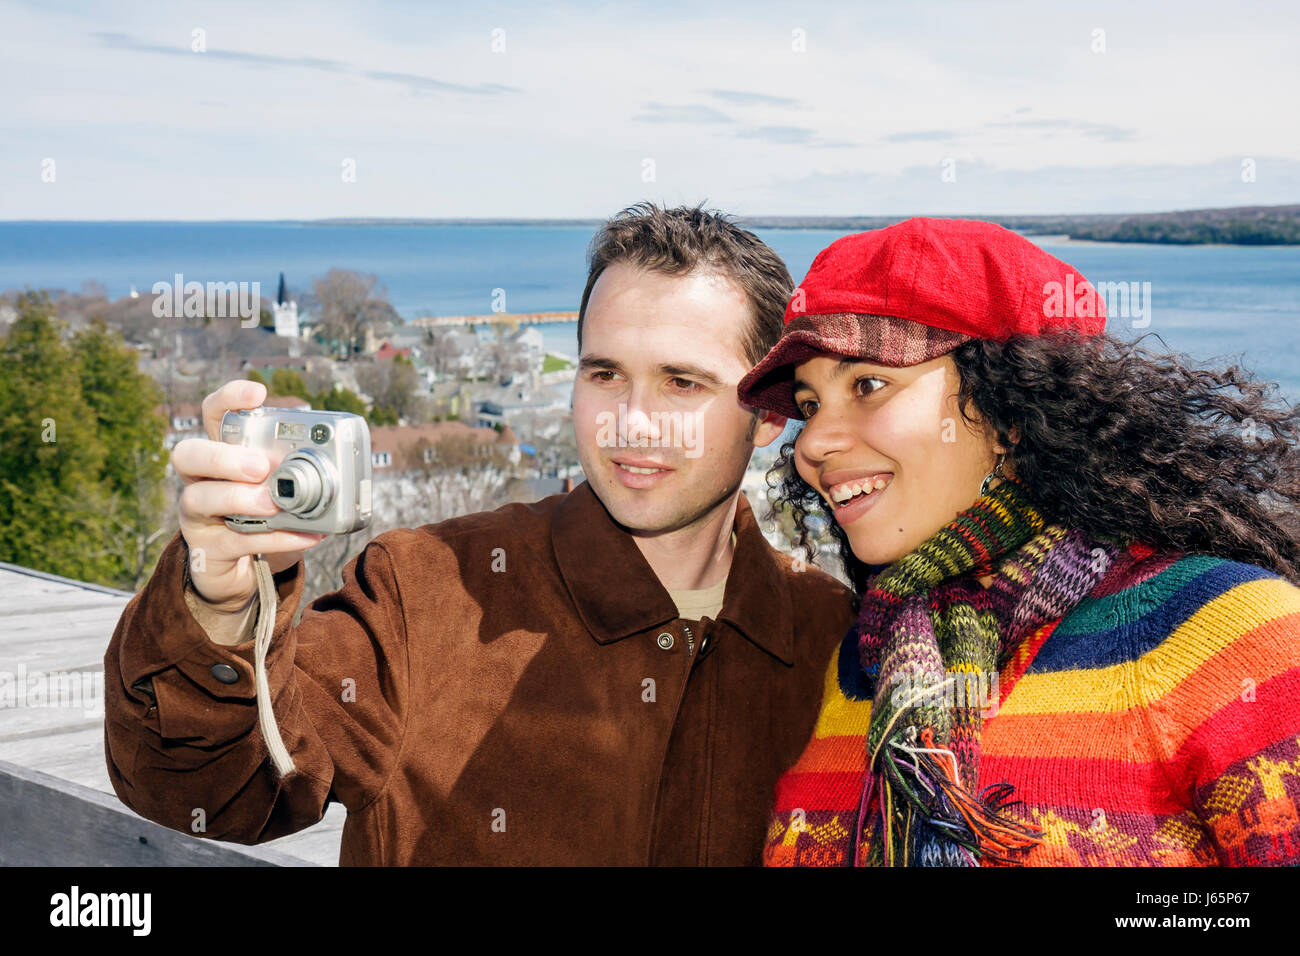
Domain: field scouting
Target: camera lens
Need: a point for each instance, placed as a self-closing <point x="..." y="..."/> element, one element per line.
<point x="302" y="485"/>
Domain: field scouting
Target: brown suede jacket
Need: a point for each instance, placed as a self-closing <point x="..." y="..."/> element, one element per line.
<point x="509" y="687"/>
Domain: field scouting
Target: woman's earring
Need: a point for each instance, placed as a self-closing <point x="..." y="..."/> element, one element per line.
<point x="995" y="473"/>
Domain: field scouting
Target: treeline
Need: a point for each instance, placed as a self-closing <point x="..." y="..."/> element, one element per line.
<point x="1240" y="232"/>
<point x="82" y="464"/>
<point x="1235" y="225"/>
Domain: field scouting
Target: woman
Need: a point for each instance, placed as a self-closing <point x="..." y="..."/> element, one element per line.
<point x="1079" y="629"/>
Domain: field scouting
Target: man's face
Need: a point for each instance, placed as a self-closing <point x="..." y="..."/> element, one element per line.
<point x="662" y="437"/>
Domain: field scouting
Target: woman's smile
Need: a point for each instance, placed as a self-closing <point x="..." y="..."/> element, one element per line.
<point x="851" y="500"/>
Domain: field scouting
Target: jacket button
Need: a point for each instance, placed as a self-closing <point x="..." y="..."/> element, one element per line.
<point x="666" y="641"/>
<point x="225" y="673"/>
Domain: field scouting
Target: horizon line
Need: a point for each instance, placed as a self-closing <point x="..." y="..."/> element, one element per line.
<point x="590" y="220"/>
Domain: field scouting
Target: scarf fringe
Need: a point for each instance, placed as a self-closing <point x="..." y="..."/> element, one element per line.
<point x="929" y="819"/>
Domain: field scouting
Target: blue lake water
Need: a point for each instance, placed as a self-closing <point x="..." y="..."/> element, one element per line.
<point x="1213" y="302"/>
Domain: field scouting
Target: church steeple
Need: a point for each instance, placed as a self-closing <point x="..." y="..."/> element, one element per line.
<point x="286" y="316"/>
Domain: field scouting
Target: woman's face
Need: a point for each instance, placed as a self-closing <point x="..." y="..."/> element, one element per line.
<point x="899" y="432"/>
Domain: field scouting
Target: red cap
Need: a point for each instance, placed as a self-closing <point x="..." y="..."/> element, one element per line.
<point x="913" y="291"/>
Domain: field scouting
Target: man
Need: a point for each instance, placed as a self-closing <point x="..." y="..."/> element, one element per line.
<point x="613" y="676"/>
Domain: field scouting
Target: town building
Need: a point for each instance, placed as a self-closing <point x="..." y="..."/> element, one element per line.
<point x="397" y="449"/>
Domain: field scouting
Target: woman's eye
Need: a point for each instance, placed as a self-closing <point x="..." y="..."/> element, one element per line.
<point x="868" y="378"/>
<point x="809" y="406"/>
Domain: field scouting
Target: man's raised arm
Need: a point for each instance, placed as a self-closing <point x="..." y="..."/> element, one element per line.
<point x="181" y="733"/>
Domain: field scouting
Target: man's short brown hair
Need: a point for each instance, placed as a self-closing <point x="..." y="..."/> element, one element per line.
<point x="679" y="241"/>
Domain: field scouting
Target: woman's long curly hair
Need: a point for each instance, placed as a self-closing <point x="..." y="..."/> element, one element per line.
<point x="1120" y="442"/>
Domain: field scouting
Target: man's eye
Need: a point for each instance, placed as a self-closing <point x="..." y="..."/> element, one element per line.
<point x="685" y="384"/>
<point x="596" y="376"/>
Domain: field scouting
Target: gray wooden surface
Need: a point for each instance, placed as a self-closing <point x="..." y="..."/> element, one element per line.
<point x="54" y="626"/>
<point x="46" y="821"/>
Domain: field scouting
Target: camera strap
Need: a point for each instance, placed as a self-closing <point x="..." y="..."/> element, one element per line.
<point x="266" y="597"/>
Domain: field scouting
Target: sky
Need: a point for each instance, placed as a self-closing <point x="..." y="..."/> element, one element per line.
<point x="193" y="111"/>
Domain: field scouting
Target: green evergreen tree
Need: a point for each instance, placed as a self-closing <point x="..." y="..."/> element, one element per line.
<point x="285" y="381"/>
<point x="51" y="457"/>
<point x="340" y="399"/>
<point x="125" y="405"/>
<point x="382" y="415"/>
<point x="82" y="467"/>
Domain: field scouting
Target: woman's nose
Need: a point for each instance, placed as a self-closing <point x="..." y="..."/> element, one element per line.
<point x="826" y="433"/>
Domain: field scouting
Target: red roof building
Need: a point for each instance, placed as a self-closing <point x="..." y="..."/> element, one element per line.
<point x="388" y="351"/>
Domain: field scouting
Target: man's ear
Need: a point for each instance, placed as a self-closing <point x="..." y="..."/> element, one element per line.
<point x="765" y="427"/>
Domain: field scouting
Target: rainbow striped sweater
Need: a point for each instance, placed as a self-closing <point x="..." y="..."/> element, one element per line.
<point x="1156" y="724"/>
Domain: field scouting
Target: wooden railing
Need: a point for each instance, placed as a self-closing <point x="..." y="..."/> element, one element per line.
<point x="45" y="821"/>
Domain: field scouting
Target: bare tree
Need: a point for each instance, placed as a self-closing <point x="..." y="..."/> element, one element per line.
<point x="318" y="377"/>
<point x="505" y="359"/>
<point x="224" y="340"/>
<point x="348" y="304"/>
<point x="443" y="355"/>
<point x="393" y="384"/>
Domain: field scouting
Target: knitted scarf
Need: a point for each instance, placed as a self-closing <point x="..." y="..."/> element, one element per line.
<point x="931" y="641"/>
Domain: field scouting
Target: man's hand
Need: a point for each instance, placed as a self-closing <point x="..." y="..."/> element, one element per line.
<point x="221" y="480"/>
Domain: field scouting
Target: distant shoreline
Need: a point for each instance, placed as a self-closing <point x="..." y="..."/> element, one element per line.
<point x="1233" y="226"/>
<point x="1230" y="226"/>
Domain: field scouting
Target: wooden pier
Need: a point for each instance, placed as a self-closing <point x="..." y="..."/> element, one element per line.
<point x="494" y="318"/>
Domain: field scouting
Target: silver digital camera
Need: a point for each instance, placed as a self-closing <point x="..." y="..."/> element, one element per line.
<point x="320" y="468"/>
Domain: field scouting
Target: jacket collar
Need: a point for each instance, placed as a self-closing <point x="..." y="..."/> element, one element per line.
<point x="617" y="593"/>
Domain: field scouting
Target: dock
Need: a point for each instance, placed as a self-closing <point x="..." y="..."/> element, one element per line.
<point x="493" y="318"/>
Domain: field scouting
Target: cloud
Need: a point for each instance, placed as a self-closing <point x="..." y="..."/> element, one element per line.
<point x="661" y="113"/>
<point x="1104" y="131"/>
<point x="780" y="134"/>
<point x="121" y="41"/>
<point x="747" y="98"/>
<point x="919" y="136"/>
<point x="427" y="84"/>
<point x="794" y="136"/>
<point x="415" y="82"/>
